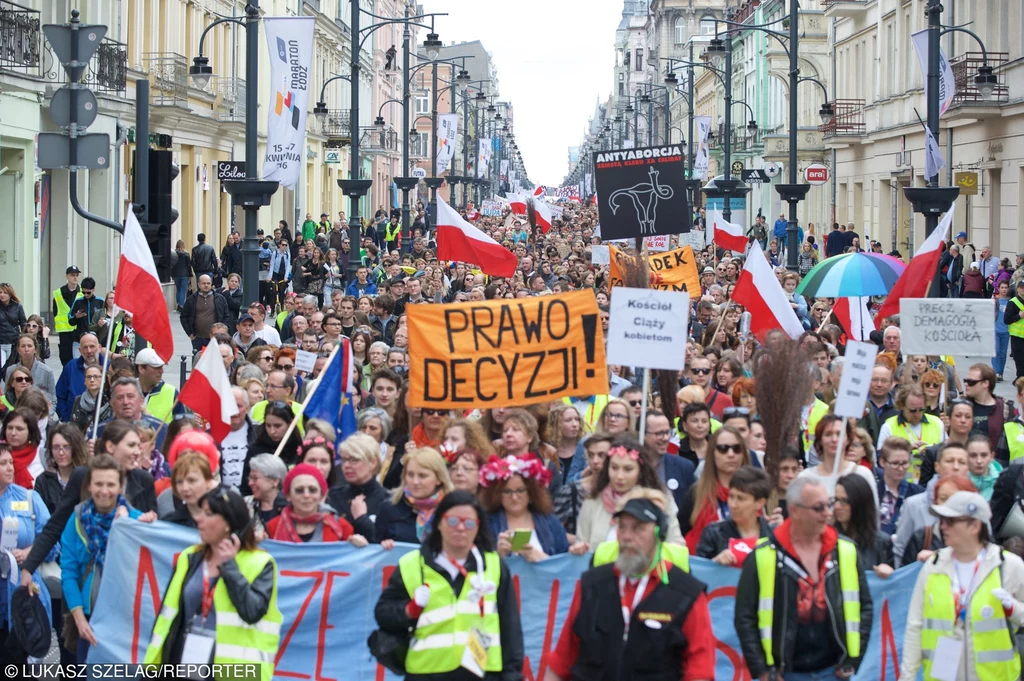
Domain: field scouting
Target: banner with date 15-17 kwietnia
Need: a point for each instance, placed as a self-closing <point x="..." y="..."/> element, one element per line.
<point x="290" y="41"/>
<point x="641" y="192"/>
<point x="327" y="593"/>
<point x="501" y="353"/>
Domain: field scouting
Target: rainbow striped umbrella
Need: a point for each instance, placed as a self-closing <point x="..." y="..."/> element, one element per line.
<point x="852" y="275"/>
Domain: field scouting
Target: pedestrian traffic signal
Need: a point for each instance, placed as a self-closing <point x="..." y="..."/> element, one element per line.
<point x="162" y="214"/>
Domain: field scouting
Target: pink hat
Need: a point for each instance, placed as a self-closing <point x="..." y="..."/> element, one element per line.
<point x="196" y="441"/>
<point x="305" y="469"/>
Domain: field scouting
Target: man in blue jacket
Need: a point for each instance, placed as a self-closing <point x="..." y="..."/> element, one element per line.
<point x="779" y="232"/>
<point x="71" y="383"/>
<point x="674" y="471"/>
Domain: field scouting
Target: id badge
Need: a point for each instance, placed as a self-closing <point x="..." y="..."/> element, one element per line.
<point x="946" y="663"/>
<point x="198" y="648"/>
<point x="474" y="657"/>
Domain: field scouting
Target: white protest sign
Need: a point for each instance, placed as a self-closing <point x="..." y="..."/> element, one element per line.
<point x="304" y="361"/>
<point x="693" y="238"/>
<point x="648" y="328"/>
<point x="948" y="326"/>
<point x="600" y="255"/>
<point x="853" y="386"/>
<point x="658" y="243"/>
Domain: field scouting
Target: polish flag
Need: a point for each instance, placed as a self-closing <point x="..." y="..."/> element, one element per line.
<point x="517" y="202"/>
<point x="458" y="240"/>
<point x="543" y="212"/>
<point x="538" y="192"/>
<point x="764" y="298"/>
<point x="727" y="234"/>
<point x="852" y="314"/>
<point x="917" y="278"/>
<point x="208" y="392"/>
<point x="137" y="290"/>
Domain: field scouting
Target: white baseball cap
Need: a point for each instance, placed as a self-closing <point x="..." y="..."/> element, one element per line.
<point x="147" y="357"/>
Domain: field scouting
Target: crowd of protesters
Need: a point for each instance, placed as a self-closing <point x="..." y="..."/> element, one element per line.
<point x="536" y="480"/>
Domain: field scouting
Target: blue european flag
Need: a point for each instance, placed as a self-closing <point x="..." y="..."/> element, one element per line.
<point x="332" y="398"/>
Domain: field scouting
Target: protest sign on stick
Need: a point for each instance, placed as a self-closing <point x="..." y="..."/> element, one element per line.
<point x="505" y="352"/>
<point x="675" y="270"/>
<point x="641" y="192"/>
<point x="948" y="326"/>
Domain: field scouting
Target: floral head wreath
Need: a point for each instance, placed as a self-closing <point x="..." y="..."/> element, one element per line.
<point x="625" y="453"/>
<point x="318" y="441"/>
<point x="499" y="469"/>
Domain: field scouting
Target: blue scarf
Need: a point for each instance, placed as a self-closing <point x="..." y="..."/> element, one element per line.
<point x="97" y="527"/>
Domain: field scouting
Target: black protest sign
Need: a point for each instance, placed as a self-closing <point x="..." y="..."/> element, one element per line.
<point x="641" y="192"/>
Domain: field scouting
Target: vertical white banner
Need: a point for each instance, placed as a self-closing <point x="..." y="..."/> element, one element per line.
<point x="947" y="83"/>
<point x="447" y="127"/>
<point x="587" y="182"/>
<point x="701" y="155"/>
<point x="502" y="169"/>
<point x="483" y="157"/>
<point x="627" y="144"/>
<point x="290" y="42"/>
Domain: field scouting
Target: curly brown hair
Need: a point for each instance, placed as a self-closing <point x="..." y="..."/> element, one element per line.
<point x="540" y="500"/>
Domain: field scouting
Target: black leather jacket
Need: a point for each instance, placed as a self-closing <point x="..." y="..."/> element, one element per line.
<point x="715" y="537"/>
<point x="784" y="627"/>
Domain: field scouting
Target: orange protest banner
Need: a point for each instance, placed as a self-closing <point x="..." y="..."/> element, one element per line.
<point x="672" y="271"/>
<point x="505" y="352"/>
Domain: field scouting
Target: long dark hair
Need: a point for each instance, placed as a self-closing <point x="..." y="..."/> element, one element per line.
<point x="459" y="497"/>
<point x="863" y="524"/>
<point x="229" y="504"/>
<point x="648" y="478"/>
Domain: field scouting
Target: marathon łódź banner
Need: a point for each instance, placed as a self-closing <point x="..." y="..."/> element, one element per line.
<point x="641" y="192"/>
<point x="501" y="353"/>
<point x="327" y="593"/>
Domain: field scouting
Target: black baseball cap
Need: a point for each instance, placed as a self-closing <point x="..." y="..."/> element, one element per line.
<point x="73" y="270"/>
<point x="644" y="510"/>
<point x="245" y="318"/>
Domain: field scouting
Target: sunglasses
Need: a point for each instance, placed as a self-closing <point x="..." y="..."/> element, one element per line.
<point x="817" y="508"/>
<point x="311" y="489"/>
<point x="723" y="448"/>
<point x="972" y="381"/>
<point x="433" y="412"/>
<point x="700" y="372"/>
<point x="267" y="358"/>
<point x="454" y="521"/>
<point x="931" y="386"/>
<point x="635" y="403"/>
<point x="22" y="379"/>
<point x="735" y="411"/>
<point x="284" y="367"/>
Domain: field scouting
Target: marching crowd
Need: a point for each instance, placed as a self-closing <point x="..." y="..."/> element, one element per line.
<point x="932" y="473"/>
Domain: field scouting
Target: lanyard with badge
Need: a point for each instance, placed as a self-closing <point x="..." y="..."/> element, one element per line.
<point x="627" y="608"/>
<point x="199" y="641"/>
<point x="474" y="656"/>
<point x="946" y="665"/>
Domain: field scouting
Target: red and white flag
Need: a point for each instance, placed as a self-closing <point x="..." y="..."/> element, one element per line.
<point x="852" y="314"/>
<point x="538" y="192"/>
<point x="461" y="241"/>
<point x="917" y="278"/>
<point x="138" y="290"/>
<point x="762" y="295"/>
<point x="543" y="213"/>
<point x="208" y="392"/>
<point x="727" y="234"/>
<point x="517" y="202"/>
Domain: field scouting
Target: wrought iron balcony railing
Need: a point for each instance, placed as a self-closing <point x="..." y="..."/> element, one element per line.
<point x="337" y="124"/>
<point x="374" y="141"/>
<point x="965" y="68"/>
<point x="847" y="119"/>
<point x="19" y="37"/>
<point x="107" y="70"/>
<point x="168" y="75"/>
<point x="229" y="102"/>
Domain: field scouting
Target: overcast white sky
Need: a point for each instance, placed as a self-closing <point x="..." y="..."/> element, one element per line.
<point x="554" y="60"/>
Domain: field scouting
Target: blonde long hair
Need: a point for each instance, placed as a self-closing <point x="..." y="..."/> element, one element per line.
<point x="429" y="458"/>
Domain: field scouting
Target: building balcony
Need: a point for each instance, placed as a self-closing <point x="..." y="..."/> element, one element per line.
<point x="810" y="145"/>
<point x="168" y="76"/>
<point x="229" y="98"/>
<point x="107" y="71"/>
<point x="337" y="126"/>
<point x="844" y="8"/>
<point x="847" y="120"/>
<point x="20" y="38"/>
<point x="965" y="67"/>
<point x="373" y="142"/>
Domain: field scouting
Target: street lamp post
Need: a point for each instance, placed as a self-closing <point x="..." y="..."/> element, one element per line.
<point x="251" y="193"/>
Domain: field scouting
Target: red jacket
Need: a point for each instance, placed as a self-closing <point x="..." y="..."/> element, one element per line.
<point x="330" y="533"/>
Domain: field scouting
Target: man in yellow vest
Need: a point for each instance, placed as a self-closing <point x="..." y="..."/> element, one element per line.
<point x="921" y="430"/>
<point x="63" y="299"/>
<point x="161" y="399"/>
<point x="1011" y="444"/>
<point x="807" y="562"/>
<point x="1014" y="319"/>
<point x="589" y="407"/>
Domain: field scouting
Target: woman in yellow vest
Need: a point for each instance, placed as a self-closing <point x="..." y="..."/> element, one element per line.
<point x="455" y="595"/>
<point x="967" y="602"/>
<point x="221" y="604"/>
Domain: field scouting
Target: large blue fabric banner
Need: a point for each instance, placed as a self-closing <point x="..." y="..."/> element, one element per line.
<point x="327" y="593"/>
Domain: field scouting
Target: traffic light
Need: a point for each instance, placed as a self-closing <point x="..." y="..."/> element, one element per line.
<point x="162" y="171"/>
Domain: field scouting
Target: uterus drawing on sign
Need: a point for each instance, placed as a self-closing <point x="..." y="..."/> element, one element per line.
<point x="644" y="197"/>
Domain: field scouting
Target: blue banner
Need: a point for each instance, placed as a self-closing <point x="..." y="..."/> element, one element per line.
<point x="327" y="593"/>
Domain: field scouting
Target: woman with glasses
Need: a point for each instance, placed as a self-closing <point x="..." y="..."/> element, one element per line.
<point x="520" y="511"/>
<point x="261" y="356"/>
<point x="304" y="518"/>
<point x="359" y="498"/>
<point x="12" y="319"/>
<point x="854" y="515"/>
<point x="826" y="442"/>
<point x="931" y="382"/>
<point x="38" y="330"/>
<point x="65" y="451"/>
<point x="429" y="432"/>
<point x="912" y="424"/>
<point x="861" y="450"/>
<point x="407" y="516"/>
<point x="616" y="417"/>
<point x="707" y="501"/>
<point x="967" y="602"/>
<point x="264" y="478"/>
<point x="18" y="382"/>
<point x="455" y="570"/>
<point x="83" y="412"/>
<point x="376" y="423"/>
<point x="466" y="449"/>
<point x="284" y="360"/>
<point x="223" y="589"/>
<point x="27" y="356"/>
